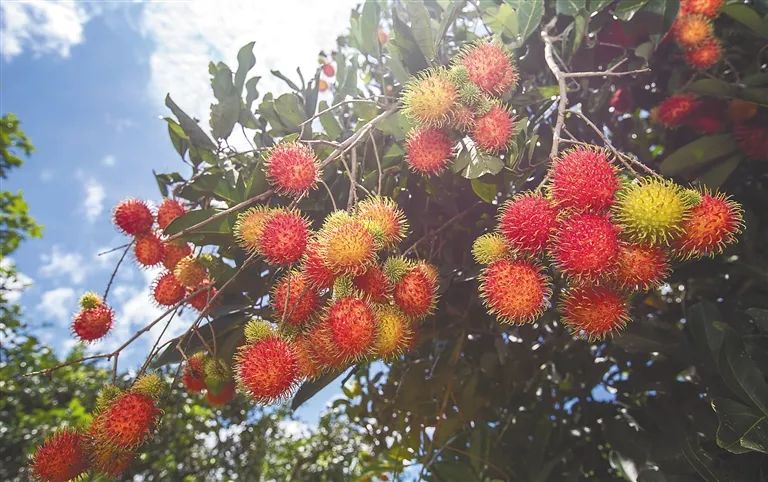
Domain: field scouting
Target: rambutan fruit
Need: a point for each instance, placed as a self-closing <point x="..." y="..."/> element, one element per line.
<point x="596" y="311"/>
<point x="493" y="130"/>
<point x="622" y="100"/>
<point x="429" y="97"/>
<point x="526" y="222"/>
<point x="193" y="375"/>
<point x="190" y="272"/>
<point x="394" y="332"/>
<point x="204" y="298"/>
<point x="294" y="300"/>
<point x="60" y="458"/>
<point x="707" y="8"/>
<point x="150" y="384"/>
<point x="216" y="374"/>
<point x="704" y="55"/>
<point x="284" y="237"/>
<point x="306" y="358"/>
<point x="740" y="111"/>
<point x="107" y="460"/>
<point x="490" y="67"/>
<point x="489" y="247"/>
<point x="104" y="398"/>
<point x="585" y="246"/>
<point x="223" y="397"/>
<point x="292" y="168"/>
<point x="350" y="327"/>
<point x="128" y="421"/>
<point x="676" y="109"/>
<point x="707" y="124"/>
<point x="374" y="284"/>
<point x="346" y="246"/>
<point x="167" y="290"/>
<point x="428" y="150"/>
<point x="328" y="70"/>
<point x="316" y="272"/>
<point x="133" y="217"/>
<point x="713" y="224"/>
<point x="692" y="30"/>
<point x="395" y="267"/>
<point x="169" y="210"/>
<point x="384" y="219"/>
<point x="174" y="252"/>
<point x="91" y="324"/>
<point x="752" y="139"/>
<point x="583" y="179"/>
<point x="148" y="249"/>
<point x="256" y="329"/>
<point x="249" y="227"/>
<point x="90" y="300"/>
<point x="640" y="266"/>
<point x="463" y="118"/>
<point x="516" y="291"/>
<point x="416" y="291"/>
<point x="652" y="210"/>
<point x="267" y="370"/>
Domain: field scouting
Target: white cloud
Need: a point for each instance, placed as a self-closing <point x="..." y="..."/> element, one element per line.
<point x="93" y="201"/>
<point x="14" y="286"/>
<point x="58" y="264"/>
<point x="109" y="160"/>
<point x="41" y="26"/>
<point x="187" y="35"/>
<point x="57" y="304"/>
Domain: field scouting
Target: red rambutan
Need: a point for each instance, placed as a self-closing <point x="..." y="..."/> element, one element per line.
<point x="585" y="246"/>
<point x="306" y="358"/>
<point x="463" y="118"/>
<point x="267" y="370"/>
<point x="351" y="328"/>
<point x="105" y="459"/>
<point x="691" y="30"/>
<point x="284" y="237"/>
<point x="752" y="139"/>
<point x="708" y="8"/>
<point x="91" y="324"/>
<point x="374" y="284"/>
<point x="204" y="298"/>
<point x="596" y="311"/>
<point x="128" y="421"/>
<point x="705" y="54"/>
<point x="583" y="179"/>
<point x="174" y="252"/>
<point x="294" y="300"/>
<point x="193" y="376"/>
<point x="428" y="150"/>
<point x="133" y="217"/>
<point x="148" y="249"/>
<point x="622" y="101"/>
<point x="527" y="221"/>
<point x="713" y="224"/>
<point x="167" y="290"/>
<point x="707" y="124"/>
<point x="225" y="395"/>
<point x="292" y="168"/>
<point x="489" y="66"/>
<point x="316" y="272"/>
<point x="640" y="266"/>
<point x="416" y="291"/>
<point x="169" y="210"/>
<point x="60" y="458"/>
<point x="516" y="291"/>
<point x="190" y="272"/>
<point x="676" y="109"/>
<point x="493" y="131"/>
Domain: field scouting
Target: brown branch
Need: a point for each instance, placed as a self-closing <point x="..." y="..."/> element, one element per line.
<point x="343" y="102"/>
<point x="378" y="163"/>
<point x="113" y="249"/>
<point x="563" y="88"/>
<point x="114" y="272"/>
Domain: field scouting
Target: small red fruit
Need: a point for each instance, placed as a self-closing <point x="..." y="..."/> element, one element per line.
<point x="148" y="249"/>
<point x="91" y="324"/>
<point x="707" y="124"/>
<point x="675" y="110"/>
<point x="752" y="139"/>
<point x="708" y="8"/>
<point x="193" y="376"/>
<point x="704" y="55"/>
<point x="516" y="291"/>
<point x="133" y="217"/>
<point x="585" y="246"/>
<point x="596" y="311"/>
<point x="128" y="421"/>
<point x="640" y="266"/>
<point x="490" y="67"/>
<point x="428" y="150"/>
<point x="294" y="300"/>
<point x="492" y="131"/>
<point x="713" y="224"/>
<point x="374" y="284"/>
<point x="416" y="291"/>
<point x="60" y="458"/>
<point x="169" y="210"/>
<point x="204" y="298"/>
<point x="174" y="252"/>
<point x="167" y="290"/>
<point x="223" y="397"/>
<point x="268" y="369"/>
<point x="622" y="101"/>
<point x="315" y="270"/>
<point x="351" y="328"/>
<point x="292" y="168"/>
<point x="328" y="70"/>
<point x="527" y="222"/>
<point x="284" y="237"/>
<point x="584" y="179"/>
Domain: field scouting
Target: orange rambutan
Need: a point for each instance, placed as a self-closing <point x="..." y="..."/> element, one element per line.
<point x="463" y="118"/>
<point x="585" y="246"/>
<point x="175" y="251"/>
<point x="596" y="311"/>
<point x="752" y="139"/>
<point x="493" y="130"/>
<point x="267" y="370"/>
<point x="292" y="168"/>
<point x="294" y="300"/>
<point x="190" y="272"/>
<point x="350" y="327"/>
<point x="167" y="290"/>
<point x="583" y="179"/>
<point x="60" y="458"/>
<point x="429" y="97"/>
<point x="148" y="249"/>
<point x="193" y="375"/>
<point x="691" y="30"/>
<point x="394" y="332"/>
<point x="284" y="237"/>
<point x="346" y="246"/>
<point x="676" y="109"/>
<point x="705" y="54"/>
<point x="490" y="66"/>
<point x="516" y="291"/>
<point x="91" y="324"/>
<point x="526" y="221"/>
<point x="707" y="8"/>
<point x="640" y="266"/>
<point x="205" y="296"/>
<point x="713" y="224"/>
<point x="306" y="356"/>
<point x="107" y="460"/>
<point x="127" y="421"/>
<point x="428" y="150"/>
<point x="169" y="210"/>
<point x="249" y="227"/>
<point x="133" y="217"/>
<point x="374" y="284"/>
<point x="225" y="395"/>
<point x="316" y="272"/>
<point x="416" y="291"/>
<point x="384" y="219"/>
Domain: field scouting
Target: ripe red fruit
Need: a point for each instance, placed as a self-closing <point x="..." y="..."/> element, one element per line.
<point x="708" y="8"/>
<point x="416" y="291"/>
<point x="193" y="376"/>
<point x="292" y="168"/>
<point x="60" y="458"/>
<point x="584" y="179"/>
<point x="133" y="217"/>
<point x="305" y="348"/>
<point x="148" y="249"/>
<point x="527" y="221"/>
<point x="489" y="66"/>
<point x="315" y="270"/>
<point x="428" y="150"/>
<point x="223" y="397"/>
<point x="705" y="54"/>
<point x="167" y="291"/>
<point x="268" y="369"/>
<point x="707" y="124"/>
<point x="640" y="266"/>
<point x="675" y="110"/>
<point x="350" y="327"/>
<point x="169" y="210"/>
<point x="128" y="421"/>
<point x="203" y="298"/>
<point x="492" y="131"/>
<point x="294" y="300"/>
<point x="374" y="284"/>
<point x="328" y="70"/>
<point x="713" y="224"/>
<point x="596" y="311"/>
<point x="284" y="237"/>
<point x="174" y="252"/>
<point x="622" y="101"/>
<point x="107" y="460"/>
<point x="585" y="246"/>
<point x="516" y="291"/>
<point x="91" y="324"/>
<point x="752" y="139"/>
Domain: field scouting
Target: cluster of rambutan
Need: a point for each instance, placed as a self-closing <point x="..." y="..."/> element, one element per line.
<point x="212" y="375"/>
<point x="603" y="236"/>
<point x="347" y="301"/>
<point x="122" y="422"/>
<point x="447" y="104"/>
<point x="695" y="34"/>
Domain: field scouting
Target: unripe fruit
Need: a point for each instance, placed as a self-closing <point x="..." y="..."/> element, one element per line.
<point x="151" y="385"/>
<point x="428" y="150"/>
<point x="60" y="458"/>
<point x="350" y="327"/>
<point x="169" y="210"/>
<point x="267" y="370"/>
<point x="585" y="247"/>
<point x="384" y="219"/>
<point x="174" y="252"/>
<point x="90" y="300"/>
<point x="128" y="421"/>
<point x="676" y="109"/>
<point x="292" y="168"/>
<point x="640" y="266"/>
<point x="315" y="270"/>
<point x="596" y="311"/>
<point x="463" y="118"/>
<point x="416" y="291"/>
<point x="217" y="374"/>
<point x="294" y="300"/>
<point x="708" y="8"/>
<point x="395" y="267"/>
<point x="190" y="272"/>
<point x="493" y="131"/>
<point x="692" y="30"/>
<point x="652" y="211"/>
<point x="489" y="247"/>
<point x="91" y="324"/>
<point x="583" y="179"/>
<point x="374" y="284"/>
<point x="516" y="291"/>
<point x="133" y="217"/>
<point x="394" y="332"/>
<point x="193" y="375"/>
<point x="256" y="329"/>
<point x="223" y="397"/>
<point x="752" y="139"/>
<point x="704" y="55"/>
<point x="713" y="224"/>
<point x="249" y="227"/>
<point x="490" y="67"/>
<point x="526" y="222"/>
<point x="345" y="245"/>
<point x="284" y="237"/>
<point x="148" y="249"/>
<point x="429" y="97"/>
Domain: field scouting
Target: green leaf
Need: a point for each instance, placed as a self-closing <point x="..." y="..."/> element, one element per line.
<point x="403" y="45"/>
<point x="369" y="28"/>
<point x="224" y="116"/>
<point x="396" y="125"/>
<point x="742" y="375"/>
<point x="626" y="9"/>
<point x="196" y="135"/>
<point x="251" y="93"/>
<point x="245" y="62"/>
<point x="288" y="107"/>
<point x="529" y="15"/>
<point x="715" y="176"/>
<point x="330" y="125"/>
<point x="478" y="163"/>
<point x="503" y="20"/>
<point x="310" y="388"/>
<point x="760" y="316"/>
<point x="421" y="28"/>
<point x="222" y="225"/>
<point x="347" y="85"/>
<point x="698" y="153"/>
<point x="741" y="428"/>
<point x="484" y="190"/>
<point x="179" y="138"/>
<point x="748" y="17"/>
<point x="570" y="7"/>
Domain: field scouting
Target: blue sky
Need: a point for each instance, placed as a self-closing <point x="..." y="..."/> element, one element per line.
<point x="88" y="82"/>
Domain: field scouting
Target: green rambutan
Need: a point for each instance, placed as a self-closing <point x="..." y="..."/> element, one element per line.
<point x="489" y="247"/>
<point x="90" y="300"/>
<point x="652" y="210"/>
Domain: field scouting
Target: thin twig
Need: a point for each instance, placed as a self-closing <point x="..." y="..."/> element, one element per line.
<point x="350" y="101"/>
<point x="113" y="249"/>
<point x="607" y="73"/>
<point x="560" y="76"/>
<point x="330" y="194"/>
<point x="114" y="272"/>
<point x="378" y="163"/>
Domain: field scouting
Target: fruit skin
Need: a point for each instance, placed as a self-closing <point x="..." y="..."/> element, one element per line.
<point x="190" y="272"/>
<point x="394" y="333"/>
<point x="133" y="216"/>
<point x="640" y="267"/>
<point x="676" y="109"/>
<point x="384" y="219"/>
<point x="108" y="460"/>
<point x="60" y="458"/>
<point x="707" y="8"/>
<point x="527" y="222"/>
<point x="249" y="227"/>
<point x="585" y="247"/>
<point x="490" y="66"/>
<point x="223" y="397"/>
<point x="328" y="70"/>
<point x="292" y="168"/>
<point x="314" y="268"/>
<point x="583" y="179"/>
<point x="306" y="356"/>
<point x="705" y="54"/>
<point x="173" y="253"/>
<point x="128" y="421"/>
<point x="284" y="237"/>
<point x="516" y="291"/>
<point x="428" y="150"/>
<point x="597" y="311"/>
<point x="493" y="131"/>
<point x="90" y="300"/>
<point x="193" y="376"/>
<point x="489" y="247"/>
<point x="350" y="327"/>
<point x="374" y="284"/>
<point x="429" y="97"/>
<point x="692" y="30"/>
<point x="346" y="246"/>
<point x="267" y="370"/>
<point x="622" y="101"/>
<point x="169" y="210"/>
<point x="294" y="300"/>
<point x="92" y="324"/>
<point x="203" y="298"/>
<point x="148" y="249"/>
<point x="752" y="139"/>
<point x="416" y="291"/>
<point x="150" y="384"/>
<point x="713" y="224"/>
<point x="652" y="210"/>
<point x="216" y="373"/>
<point x="167" y="290"/>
